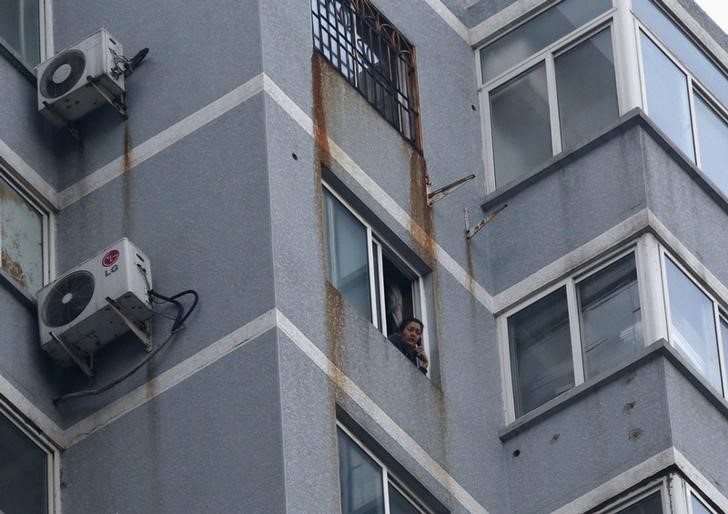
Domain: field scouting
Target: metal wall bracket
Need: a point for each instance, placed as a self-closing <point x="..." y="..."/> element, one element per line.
<point x="438" y="194"/>
<point x="60" y="121"/>
<point x="77" y="359"/>
<point x="119" y="104"/>
<point x="143" y="330"/>
<point x="471" y="231"/>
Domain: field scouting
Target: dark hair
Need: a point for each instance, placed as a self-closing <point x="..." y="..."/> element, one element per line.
<point x="407" y="321"/>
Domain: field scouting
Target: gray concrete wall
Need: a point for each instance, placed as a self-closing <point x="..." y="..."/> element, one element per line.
<point x="211" y="444"/>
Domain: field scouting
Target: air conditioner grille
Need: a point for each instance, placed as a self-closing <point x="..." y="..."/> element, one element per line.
<point x="63" y="73"/>
<point x="68" y="298"/>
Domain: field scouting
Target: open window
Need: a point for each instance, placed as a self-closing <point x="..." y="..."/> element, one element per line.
<point x="369" y="274"/>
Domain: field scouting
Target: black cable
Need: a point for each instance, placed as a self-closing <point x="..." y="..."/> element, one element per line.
<point x="176" y="327"/>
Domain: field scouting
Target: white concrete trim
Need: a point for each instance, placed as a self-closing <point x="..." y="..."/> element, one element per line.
<point x="380" y="195"/>
<point x="565" y="265"/>
<point x="171" y="377"/>
<point x="23" y="171"/>
<point x="449" y="18"/>
<point x="161" y="141"/>
<point x="620" y="483"/>
<point x="378" y="415"/>
<point x="45" y="425"/>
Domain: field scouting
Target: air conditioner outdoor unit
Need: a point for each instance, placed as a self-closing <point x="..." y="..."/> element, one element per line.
<point x="81" y="78"/>
<point x="95" y="302"/>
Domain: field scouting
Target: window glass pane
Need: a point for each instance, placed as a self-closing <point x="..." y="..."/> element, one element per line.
<point x="21" y="239"/>
<point x="724" y="337"/>
<point x="521" y="130"/>
<point x="23" y="473"/>
<point x="538" y="33"/>
<point x="399" y="300"/>
<point x="347" y="254"/>
<point x="693" y="324"/>
<point x="361" y="479"/>
<point x="398" y="504"/>
<point x="586" y="88"/>
<point x="541" y="351"/>
<point x="681" y="45"/>
<point x="611" y="320"/>
<point x="698" y="506"/>
<point x="667" y="96"/>
<point x="712" y="134"/>
<point x="19" y="28"/>
<point x="650" y="505"/>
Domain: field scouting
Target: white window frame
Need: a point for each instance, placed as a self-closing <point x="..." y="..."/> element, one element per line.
<point x="45" y="34"/>
<point x="640" y="494"/>
<point x="387" y="476"/>
<point x="719" y="311"/>
<point x="47" y="225"/>
<point x="694" y="86"/>
<point x="375" y="249"/>
<point x="46" y="446"/>
<point x="691" y="491"/>
<point x="641" y="251"/>
<point x="606" y="20"/>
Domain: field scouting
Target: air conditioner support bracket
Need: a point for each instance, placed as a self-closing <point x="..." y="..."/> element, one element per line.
<point x="62" y="122"/>
<point x="117" y="103"/>
<point x="143" y="330"/>
<point x="77" y="359"/>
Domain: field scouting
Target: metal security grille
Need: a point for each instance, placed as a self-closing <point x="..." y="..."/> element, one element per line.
<point x="373" y="56"/>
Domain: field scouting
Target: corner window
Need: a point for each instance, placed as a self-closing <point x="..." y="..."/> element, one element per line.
<point x="20" y="29"/>
<point x="697" y="326"/>
<point x="25" y="476"/>
<point x="684" y="92"/>
<point x="23" y="230"/>
<point x="366" y="485"/>
<point x="545" y="86"/>
<point x="373" y="56"/>
<point x="583" y="328"/>
<point x="371" y="276"/>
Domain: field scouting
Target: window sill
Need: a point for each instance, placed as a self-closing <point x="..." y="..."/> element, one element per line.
<point x="17" y="290"/>
<point x="660" y="348"/>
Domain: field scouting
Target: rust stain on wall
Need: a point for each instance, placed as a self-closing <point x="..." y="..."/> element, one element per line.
<point x="14" y="269"/>
<point x="126" y="182"/>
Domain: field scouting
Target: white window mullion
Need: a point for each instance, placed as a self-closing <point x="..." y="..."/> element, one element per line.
<point x="553" y="105"/>
<point x="488" y="157"/>
<point x="651" y="290"/>
<point x="721" y="357"/>
<point x="626" y="58"/>
<point x="382" y="292"/>
<point x="694" y="122"/>
<point x="575" y="332"/>
<point x="385" y="488"/>
<point x="371" y="259"/>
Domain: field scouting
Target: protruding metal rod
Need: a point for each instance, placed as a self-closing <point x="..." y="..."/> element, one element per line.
<point x="437" y="194"/>
<point x="470" y="232"/>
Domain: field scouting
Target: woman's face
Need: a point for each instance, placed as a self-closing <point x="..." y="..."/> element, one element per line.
<point x="412" y="334"/>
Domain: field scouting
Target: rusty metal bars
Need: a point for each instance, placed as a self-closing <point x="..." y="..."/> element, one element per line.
<point x="373" y="56"/>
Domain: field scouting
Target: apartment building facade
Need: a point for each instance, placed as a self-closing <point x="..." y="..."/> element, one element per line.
<point x="294" y="164"/>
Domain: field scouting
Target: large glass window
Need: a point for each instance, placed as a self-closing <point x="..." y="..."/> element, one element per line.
<point x="20" y="28"/>
<point x="24" y="484"/>
<point x="367" y="486"/>
<point x="693" y="321"/>
<point x="602" y="308"/>
<point x="652" y="504"/>
<point x="536" y="34"/>
<point x="520" y="124"/>
<point x="370" y="275"/>
<point x="712" y="137"/>
<point x="546" y="86"/>
<point x="22" y="227"/>
<point x="372" y="55"/>
<point x="668" y="103"/>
